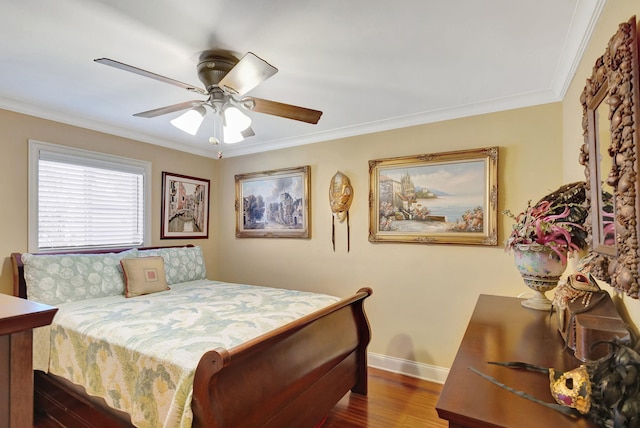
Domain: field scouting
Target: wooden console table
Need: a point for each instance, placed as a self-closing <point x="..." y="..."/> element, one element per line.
<point x="501" y="329"/>
<point x="18" y="318"/>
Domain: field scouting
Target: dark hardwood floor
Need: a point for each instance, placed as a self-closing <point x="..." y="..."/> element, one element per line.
<point x="394" y="401"/>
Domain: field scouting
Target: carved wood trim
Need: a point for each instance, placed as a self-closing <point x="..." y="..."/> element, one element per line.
<point x="618" y="70"/>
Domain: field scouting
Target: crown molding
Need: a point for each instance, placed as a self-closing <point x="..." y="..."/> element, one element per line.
<point x="492" y="106"/>
<point x="246" y="148"/>
<point x="73" y="119"/>
<point x="582" y="26"/>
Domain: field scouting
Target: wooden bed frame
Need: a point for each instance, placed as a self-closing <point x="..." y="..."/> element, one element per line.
<point x="289" y="377"/>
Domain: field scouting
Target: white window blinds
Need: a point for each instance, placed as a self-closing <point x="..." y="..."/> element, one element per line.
<point x="89" y="200"/>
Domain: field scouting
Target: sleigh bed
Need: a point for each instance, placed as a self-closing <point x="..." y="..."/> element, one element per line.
<point x="290" y="375"/>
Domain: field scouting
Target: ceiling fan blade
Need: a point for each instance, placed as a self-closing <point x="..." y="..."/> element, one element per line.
<point x="145" y="73"/>
<point x="280" y="109"/>
<point x="248" y="73"/>
<point x="169" y="109"/>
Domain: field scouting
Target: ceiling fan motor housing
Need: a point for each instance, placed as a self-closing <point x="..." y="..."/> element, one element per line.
<point x="213" y="67"/>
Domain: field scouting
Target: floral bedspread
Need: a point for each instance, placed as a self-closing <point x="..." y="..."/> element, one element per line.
<point x="140" y="354"/>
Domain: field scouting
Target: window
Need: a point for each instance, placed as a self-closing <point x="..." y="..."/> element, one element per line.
<point x="81" y="199"/>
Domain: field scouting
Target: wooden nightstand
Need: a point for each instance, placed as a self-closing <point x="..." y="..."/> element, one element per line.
<point x="18" y="318"/>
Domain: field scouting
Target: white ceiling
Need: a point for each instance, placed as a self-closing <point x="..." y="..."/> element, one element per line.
<point x="369" y="65"/>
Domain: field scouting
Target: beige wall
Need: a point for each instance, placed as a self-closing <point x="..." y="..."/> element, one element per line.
<point x="15" y="131"/>
<point x="614" y="13"/>
<point x="423" y="294"/>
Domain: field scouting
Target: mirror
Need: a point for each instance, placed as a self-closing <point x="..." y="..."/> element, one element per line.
<point x="605" y="238"/>
<point x="602" y="207"/>
<point x="610" y="156"/>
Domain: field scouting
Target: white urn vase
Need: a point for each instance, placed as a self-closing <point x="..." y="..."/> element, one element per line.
<point x="540" y="268"/>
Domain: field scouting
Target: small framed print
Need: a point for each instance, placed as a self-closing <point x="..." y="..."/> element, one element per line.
<point x="185" y="207"/>
<point x="273" y="204"/>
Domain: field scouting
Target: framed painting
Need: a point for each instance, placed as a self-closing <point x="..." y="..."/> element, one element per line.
<point x="439" y="198"/>
<point x="273" y="204"/>
<point x="185" y="207"/>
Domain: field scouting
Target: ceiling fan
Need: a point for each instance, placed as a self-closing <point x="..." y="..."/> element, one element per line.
<point x="226" y="80"/>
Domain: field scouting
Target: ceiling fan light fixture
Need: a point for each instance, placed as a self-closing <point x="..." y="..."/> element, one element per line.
<point x="248" y="132"/>
<point x="235" y="120"/>
<point x="248" y="103"/>
<point x="232" y="136"/>
<point x="218" y="131"/>
<point x="190" y="120"/>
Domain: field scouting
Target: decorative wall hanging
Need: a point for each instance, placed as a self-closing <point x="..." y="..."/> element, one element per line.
<point x="439" y="198"/>
<point x="340" y="197"/>
<point x="273" y="204"/>
<point x="185" y="207"/>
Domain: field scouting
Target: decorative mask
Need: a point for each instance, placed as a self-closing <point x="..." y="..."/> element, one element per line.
<point x="606" y="391"/>
<point x="572" y="388"/>
<point x="581" y="287"/>
<point x="576" y="286"/>
<point x="340" y="196"/>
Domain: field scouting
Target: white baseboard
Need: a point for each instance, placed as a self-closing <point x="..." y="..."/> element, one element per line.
<point x="408" y="368"/>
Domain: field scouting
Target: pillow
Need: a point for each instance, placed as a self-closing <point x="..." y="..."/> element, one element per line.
<point x="143" y="275"/>
<point x="181" y="264"/>
<point x="59" y="278"/>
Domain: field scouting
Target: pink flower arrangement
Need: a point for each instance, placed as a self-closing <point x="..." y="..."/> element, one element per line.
<point x="548" y="225"/>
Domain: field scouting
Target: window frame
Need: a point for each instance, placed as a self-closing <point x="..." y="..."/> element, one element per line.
<point x="94" y="159"/>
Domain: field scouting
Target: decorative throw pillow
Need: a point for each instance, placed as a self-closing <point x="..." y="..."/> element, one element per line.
<point x="59" y="278"/>
<point x="181" y="264"/>
<point x="144" y="275"/>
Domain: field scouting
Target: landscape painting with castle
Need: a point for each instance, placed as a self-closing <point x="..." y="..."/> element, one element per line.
<point x="273" y="204"/>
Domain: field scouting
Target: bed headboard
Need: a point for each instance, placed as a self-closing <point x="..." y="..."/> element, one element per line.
<point x="20" y="285"/>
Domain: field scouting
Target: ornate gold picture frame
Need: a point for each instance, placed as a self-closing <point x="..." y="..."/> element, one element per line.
<point x="273" y="204"/>
<point x="438" y="198"/>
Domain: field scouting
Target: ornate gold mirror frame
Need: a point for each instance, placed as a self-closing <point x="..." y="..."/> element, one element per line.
<point x="610" y="156"/>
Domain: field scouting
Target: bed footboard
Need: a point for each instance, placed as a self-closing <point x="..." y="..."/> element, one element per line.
<point x="289" y="377"/>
